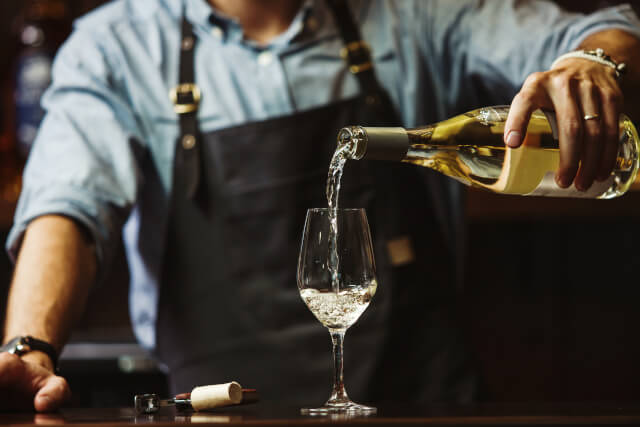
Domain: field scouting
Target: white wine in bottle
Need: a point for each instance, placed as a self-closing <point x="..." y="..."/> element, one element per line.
<point x="470" y="148"/>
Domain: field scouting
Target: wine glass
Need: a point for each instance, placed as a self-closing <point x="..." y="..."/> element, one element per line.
<point x="337" y="279"/>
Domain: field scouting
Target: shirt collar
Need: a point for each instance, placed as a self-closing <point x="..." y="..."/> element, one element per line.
<point x="198" y="12"/>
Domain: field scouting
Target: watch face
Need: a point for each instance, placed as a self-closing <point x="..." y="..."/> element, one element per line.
<point x="17" y="346"/>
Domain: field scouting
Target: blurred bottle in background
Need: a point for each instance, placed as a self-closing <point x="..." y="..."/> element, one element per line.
<point x="37" y="31"/>
<point x="45" y="25"/>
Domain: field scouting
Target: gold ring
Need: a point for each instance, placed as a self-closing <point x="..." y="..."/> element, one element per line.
<point x="591" y="117"/>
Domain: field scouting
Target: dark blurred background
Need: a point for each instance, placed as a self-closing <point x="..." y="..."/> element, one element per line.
<point x="549" y="306"/>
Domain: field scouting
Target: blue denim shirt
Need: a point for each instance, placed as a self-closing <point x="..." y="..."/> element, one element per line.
<point x="104" y="152"/>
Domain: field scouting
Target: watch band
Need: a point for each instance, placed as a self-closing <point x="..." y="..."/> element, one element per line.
<point x="597" y="55"/>
<point x="24" y="344"/>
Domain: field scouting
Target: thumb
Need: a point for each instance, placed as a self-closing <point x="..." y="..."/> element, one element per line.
<point x="53" y="393"/>
<point x="532" y="95"/>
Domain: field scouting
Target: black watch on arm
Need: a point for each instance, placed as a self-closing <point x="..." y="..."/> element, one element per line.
<point x="24" y="344"/>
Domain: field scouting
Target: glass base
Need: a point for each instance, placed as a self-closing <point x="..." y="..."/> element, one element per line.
<point x="348" y="408"/>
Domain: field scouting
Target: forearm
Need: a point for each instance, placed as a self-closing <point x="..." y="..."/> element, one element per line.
<point x="54" y="270"/>
<point x="622" y="47"/>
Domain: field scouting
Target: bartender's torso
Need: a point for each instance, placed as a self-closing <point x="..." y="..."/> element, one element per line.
<point x="241" y="82"/>
<point x="432" y="58"/>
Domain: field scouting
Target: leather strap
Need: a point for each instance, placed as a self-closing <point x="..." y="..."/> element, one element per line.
<point x="24" y="344"/>
<point x="186" y="102"/>
<point x="358" y="52"/>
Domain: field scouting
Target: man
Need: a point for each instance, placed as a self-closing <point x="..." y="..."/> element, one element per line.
<point x="213" y="182"/>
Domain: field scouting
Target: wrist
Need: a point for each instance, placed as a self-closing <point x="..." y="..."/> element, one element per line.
<point x="39" y="358"/>
<point x="23" y="345"/>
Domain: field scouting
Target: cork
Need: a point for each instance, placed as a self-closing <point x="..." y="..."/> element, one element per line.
<point x="214" y="396"/>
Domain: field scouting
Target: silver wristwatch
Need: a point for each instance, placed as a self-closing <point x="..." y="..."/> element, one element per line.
<point x="24" y="344"/>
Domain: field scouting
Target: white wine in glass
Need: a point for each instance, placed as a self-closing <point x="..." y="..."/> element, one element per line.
<point x="337" y="288"/>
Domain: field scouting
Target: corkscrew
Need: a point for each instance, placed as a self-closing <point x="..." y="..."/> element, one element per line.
<point x="201" y="398"/>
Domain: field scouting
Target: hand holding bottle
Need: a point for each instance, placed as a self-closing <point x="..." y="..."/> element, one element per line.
<point x="470" y="149"/>
<point x="587" y="100"/>
<point x="587" y="147"/>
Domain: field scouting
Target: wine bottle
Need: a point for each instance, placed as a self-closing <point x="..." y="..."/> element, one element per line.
<point x="37" y="31"/>
<point x="42" y="27"/>
<point x="470" y="149"/>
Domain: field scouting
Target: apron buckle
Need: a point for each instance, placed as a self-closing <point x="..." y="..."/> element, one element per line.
<point x="185" y="97"/>
<point x="358" y="56"/>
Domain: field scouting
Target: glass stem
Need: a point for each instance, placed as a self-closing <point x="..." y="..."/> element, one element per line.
<point x="339" y="394"/>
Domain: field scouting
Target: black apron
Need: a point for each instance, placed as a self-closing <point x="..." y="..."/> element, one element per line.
<point x="229" y="306"/>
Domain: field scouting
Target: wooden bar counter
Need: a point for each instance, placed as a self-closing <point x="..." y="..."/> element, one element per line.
<point x="264" y="414"/>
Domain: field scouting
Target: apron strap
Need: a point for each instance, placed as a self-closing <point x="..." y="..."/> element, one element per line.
<point x="356" y="51"/>
<point x="186" y="99"/>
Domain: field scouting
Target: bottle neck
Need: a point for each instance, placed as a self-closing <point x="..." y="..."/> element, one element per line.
<point x="383" y="143"/>
<point x="421" y="135"/>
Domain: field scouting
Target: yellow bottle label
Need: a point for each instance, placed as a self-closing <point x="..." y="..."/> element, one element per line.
<point x="530" y="170"/>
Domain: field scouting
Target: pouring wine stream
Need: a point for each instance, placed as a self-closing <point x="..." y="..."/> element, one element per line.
<point x="343" y="152"/>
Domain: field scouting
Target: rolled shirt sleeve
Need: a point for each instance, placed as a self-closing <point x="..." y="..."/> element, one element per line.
<point x="85" y="161"/>
<point x="488" y="48"/>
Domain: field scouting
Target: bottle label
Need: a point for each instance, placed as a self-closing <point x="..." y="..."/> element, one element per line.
<point x="549" y="188"/>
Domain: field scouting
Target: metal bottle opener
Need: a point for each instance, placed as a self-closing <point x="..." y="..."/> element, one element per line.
<point x="151" y="403"/>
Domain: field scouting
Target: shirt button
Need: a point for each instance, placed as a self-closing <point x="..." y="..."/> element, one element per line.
<point x="265" y="58"/>
<point x="217" y="32"/>
<point x="187" y="43"/>
<point x="188" y="141"/>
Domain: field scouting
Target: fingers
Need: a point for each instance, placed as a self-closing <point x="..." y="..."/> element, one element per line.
<point x="54" y="392"/>
<point x="578" y="88"/>
<point x="563" y="95"/>
<point x="11" y="370"/>
<point x="591" y="158"/>
<point x="25" y="385"/>
<point x="551" y="91"/>
<point x="530" y="98"/>
<point x="13" y="395"/>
